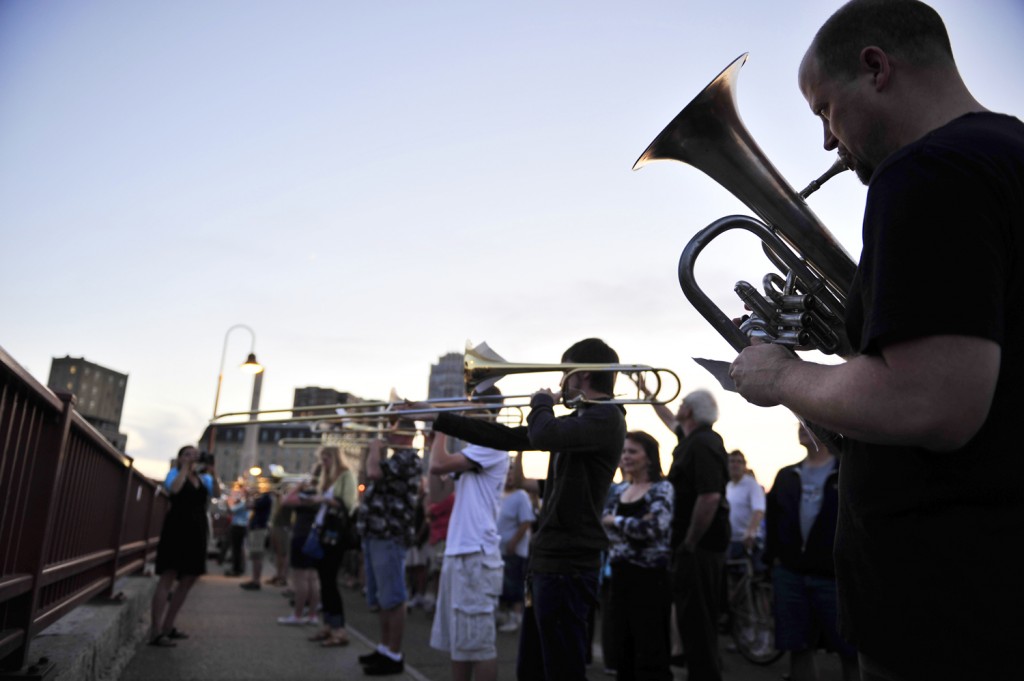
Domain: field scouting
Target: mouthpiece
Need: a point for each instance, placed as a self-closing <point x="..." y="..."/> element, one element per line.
<point x="837" y="167"/>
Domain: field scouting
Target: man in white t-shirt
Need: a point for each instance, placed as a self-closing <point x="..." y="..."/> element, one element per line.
<point x="472" y="572"/>
<point x="514" y="522"/>
<point x="746" y="508"/>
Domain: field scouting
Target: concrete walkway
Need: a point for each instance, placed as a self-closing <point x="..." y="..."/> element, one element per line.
<point x="234" y="635"/>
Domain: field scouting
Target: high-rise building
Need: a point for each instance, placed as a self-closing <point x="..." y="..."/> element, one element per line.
<point x="313" y="396"/>
<point x="447" y="377"/>
<point x="99" y="394"/>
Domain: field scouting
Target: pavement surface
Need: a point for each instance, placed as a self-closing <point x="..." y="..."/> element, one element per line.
<point x="234" y="635"/>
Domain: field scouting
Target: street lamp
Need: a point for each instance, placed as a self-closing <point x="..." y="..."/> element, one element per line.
<point x="249" y="366"/>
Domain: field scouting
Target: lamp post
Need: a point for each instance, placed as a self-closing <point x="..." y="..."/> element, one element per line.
<point x="250" y="366"/>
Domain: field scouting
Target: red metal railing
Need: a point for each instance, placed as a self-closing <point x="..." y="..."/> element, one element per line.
<point x="74" y="515"/>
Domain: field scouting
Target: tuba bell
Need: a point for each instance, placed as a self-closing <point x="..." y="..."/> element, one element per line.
<point x="803" y="307"/>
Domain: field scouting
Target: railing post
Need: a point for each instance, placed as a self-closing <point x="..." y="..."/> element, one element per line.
<point x="150" y="512"/>
<point x="157" y="511"/>
<point x="117" y="533"/>
<point x="46" y="472"/>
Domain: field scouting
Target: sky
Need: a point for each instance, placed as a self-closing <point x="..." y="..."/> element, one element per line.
<point x="368" y="186"/>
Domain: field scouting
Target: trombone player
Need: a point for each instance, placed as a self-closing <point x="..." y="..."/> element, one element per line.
<point x="385" y="523"/>
<point x="565" y="551"/>
<point x="926" y="414"/>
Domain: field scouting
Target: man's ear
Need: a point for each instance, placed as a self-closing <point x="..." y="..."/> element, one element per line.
<point x="876" y="62"/>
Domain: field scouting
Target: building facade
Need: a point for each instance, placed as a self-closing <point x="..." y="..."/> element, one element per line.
<point x="447" y="377"/>
<point x="288" y="445"/>
<point x="99" y="394"/>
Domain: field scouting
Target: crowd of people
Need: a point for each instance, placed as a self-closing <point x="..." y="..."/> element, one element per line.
<point x="477" y="511"/>
<point x="885" y="564"/>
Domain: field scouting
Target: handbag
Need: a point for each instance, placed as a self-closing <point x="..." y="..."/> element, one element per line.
<point x="339" y="529"/>
<point x="312" y="548"/>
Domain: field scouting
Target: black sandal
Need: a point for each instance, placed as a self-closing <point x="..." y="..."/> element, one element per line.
<point x="176" y="634"/>
<point x="162" y="641"/>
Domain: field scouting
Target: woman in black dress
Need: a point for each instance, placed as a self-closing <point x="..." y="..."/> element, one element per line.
<point x="181" y="553"/>
<point x="638" y="520"/>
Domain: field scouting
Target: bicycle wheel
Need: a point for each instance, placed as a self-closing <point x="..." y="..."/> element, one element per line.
<point x="753" y="627"/>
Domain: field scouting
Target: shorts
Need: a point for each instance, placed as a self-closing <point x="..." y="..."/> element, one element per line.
<point x="435" y="556"/>
<point x="279" y="540"/>
<point x="513" y="589"/>
<point x="257" y="542"/>
<point x="297" y="560"/>
<point x="467" y="595"/>
<point x="385" y="573"/>
<point x="806" y="608"/>
<point x="417" y="556"/>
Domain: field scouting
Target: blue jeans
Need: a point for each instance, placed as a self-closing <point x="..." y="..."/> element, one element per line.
<point x="806" y="608"/>
<point x="514" y="581"/>
<point x="553" y="641"/>
<point x="737" y="550"/>
<point x="330" y="596"/>
<point x="385" y="573"/>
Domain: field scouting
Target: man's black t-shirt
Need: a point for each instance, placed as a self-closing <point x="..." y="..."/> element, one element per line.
<point x="699" y="466"/>
<point x="923" y="548"/>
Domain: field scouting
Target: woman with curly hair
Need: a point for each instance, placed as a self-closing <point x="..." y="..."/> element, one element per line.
<point x="638" y="522"/>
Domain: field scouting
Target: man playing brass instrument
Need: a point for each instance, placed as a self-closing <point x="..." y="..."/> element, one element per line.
<point x="385" y="522"/>
<point x="926" y="413"/>
<point x="565" y="552"/>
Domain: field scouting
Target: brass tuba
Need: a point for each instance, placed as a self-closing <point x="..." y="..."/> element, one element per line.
<point x="805" y="306"/>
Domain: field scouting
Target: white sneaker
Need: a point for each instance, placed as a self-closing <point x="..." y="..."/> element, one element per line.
<point x="312" y="621"/>
<point x="512" y="624"/>
<point x="291" y="620"/>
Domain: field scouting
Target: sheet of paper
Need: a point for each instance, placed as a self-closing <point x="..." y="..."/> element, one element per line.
<point x="718" y="369"/>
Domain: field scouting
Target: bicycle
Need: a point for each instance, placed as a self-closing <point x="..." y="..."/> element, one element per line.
<point x="751" y="623"/>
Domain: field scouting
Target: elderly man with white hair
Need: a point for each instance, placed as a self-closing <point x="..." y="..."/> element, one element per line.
<point x="700" y="529"/>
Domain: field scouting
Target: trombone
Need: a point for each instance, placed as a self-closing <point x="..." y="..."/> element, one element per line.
<point x="380" y="411"/>
<point x="332" y="439"/>
<point x="483" y="368"/>
<point x="328" y="409"/>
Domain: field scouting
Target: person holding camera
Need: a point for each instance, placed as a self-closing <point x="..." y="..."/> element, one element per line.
<point x="238" y="505"/>
<point x="181" y="553"/>
<point x="259" y="503"/>
<point x="300" y="499"/>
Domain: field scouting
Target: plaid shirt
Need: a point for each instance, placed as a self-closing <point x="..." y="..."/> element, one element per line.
<point x="388" y="508"/>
